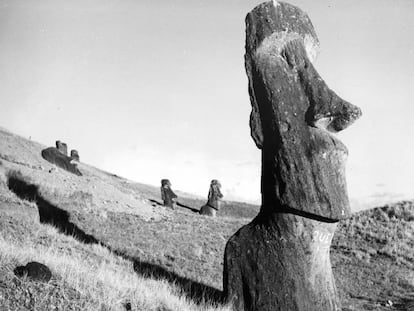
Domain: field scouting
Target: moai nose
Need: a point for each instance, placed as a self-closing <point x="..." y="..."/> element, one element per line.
<point x="327" y="110"/>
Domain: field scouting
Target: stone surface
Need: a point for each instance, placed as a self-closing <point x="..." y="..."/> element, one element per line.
<point x="62" y="147"/>
<point x="293" y="113"/>
<point x="208" y="211"/>
<point x="167" y="195"/>
<point x="54" y="156"/>
<point x="214" y="195"/>
<point x="34" y="271"/>
<point x="280" y="261"/>
<point x="74" y="155"/>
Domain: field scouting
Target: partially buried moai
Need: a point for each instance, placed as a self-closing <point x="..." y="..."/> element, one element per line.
<point x="74" y="155"/>
<point x="213" y="199"/>
<point x="62" y="147"/>
<point x="280" y="261"/>
<point x="167" y="195"/>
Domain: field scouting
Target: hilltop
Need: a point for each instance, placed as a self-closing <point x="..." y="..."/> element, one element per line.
<point x="109" y="242"/>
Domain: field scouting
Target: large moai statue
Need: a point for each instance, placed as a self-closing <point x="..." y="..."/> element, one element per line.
<point x="280" y="261"/>
<point x="62" y="147"/>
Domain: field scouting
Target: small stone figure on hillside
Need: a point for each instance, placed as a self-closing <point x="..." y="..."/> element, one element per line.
<point x="214" y="197"/>
<point x="62" y="147"/>
<point x="167" y="195"/>
<point x="74" y="155"/>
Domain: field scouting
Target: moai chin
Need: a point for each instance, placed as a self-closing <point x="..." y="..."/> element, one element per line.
<point x="280" y="261"/>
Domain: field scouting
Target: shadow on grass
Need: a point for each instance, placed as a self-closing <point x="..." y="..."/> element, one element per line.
<point x="51" y="214"/>
<point x="197" y="292"/>
<point x="48" y="212"/>
<point x="194" y="210"/>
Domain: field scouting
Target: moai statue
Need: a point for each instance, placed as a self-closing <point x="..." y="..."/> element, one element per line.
<point x="213" y="199"/>
<point x="62" y="147"/>
<point x="167" y="195"/>
<point x="280" y="261"/>
<point x="74" y="155"/>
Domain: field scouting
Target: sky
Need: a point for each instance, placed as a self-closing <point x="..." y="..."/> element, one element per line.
<point x="157" y="89"/>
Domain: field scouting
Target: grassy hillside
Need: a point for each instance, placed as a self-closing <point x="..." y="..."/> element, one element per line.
<point x="109" y="243"/>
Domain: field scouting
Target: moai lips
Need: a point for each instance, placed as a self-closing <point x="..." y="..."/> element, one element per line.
<point x="293" y="115"/>
<point x="280" y="261"/>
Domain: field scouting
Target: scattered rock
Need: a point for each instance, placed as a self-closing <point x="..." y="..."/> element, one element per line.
<point x="34" y="271"/>
<point x="128" y="306"/>
<point x="280" y="261"/>
<point x="198" y="251"/>
<point x="54" y="156"/>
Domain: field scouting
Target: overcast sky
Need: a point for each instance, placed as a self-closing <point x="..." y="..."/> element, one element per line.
<point x="157" y="89"/>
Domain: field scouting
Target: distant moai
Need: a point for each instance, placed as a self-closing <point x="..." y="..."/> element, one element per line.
<point x="168" y="196"/>
<point x="74" y="155"/>
<point x="280" y="261"/>
<point x="62" y="147"/>
<point x="213" y="199"/>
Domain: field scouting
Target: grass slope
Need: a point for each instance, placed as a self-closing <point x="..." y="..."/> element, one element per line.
<point x="111" y="243"/>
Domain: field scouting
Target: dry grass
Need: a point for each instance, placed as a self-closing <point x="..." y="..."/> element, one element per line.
<point x="92" y="277"/>
<point x="164" y="255"/>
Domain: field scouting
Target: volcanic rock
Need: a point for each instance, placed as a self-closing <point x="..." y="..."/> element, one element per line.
<point x="34" y="271"/>
<point x="280" y="261"/>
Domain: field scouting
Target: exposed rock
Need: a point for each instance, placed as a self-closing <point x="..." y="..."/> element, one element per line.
<point x="74" y="155"/>
<point x="62" y="147"/>
<point x="280" y="261"/>
<point x="54" y="156"/>
<point x="34" y="271"/>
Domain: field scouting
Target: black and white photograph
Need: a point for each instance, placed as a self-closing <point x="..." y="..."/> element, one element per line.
<point x="194" y="155"/>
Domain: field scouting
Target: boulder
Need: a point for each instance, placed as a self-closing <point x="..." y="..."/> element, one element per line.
<point x="54" y="156"/>
<point x="74" y="155"/>
<point x="34" y="271"/>
<point x="280" y="261"/>
<point x="62" y="147"/>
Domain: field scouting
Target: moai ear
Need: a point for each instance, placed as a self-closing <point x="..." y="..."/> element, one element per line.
<point x="256" y="130"/>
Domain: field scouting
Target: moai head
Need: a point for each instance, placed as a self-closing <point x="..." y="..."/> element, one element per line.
<point x="165" y="183"/>
<point x="62" y="147"/>
<point x="74" y="154"/>
<point x="294" y="114"/>
<point x="216" y="183"/>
